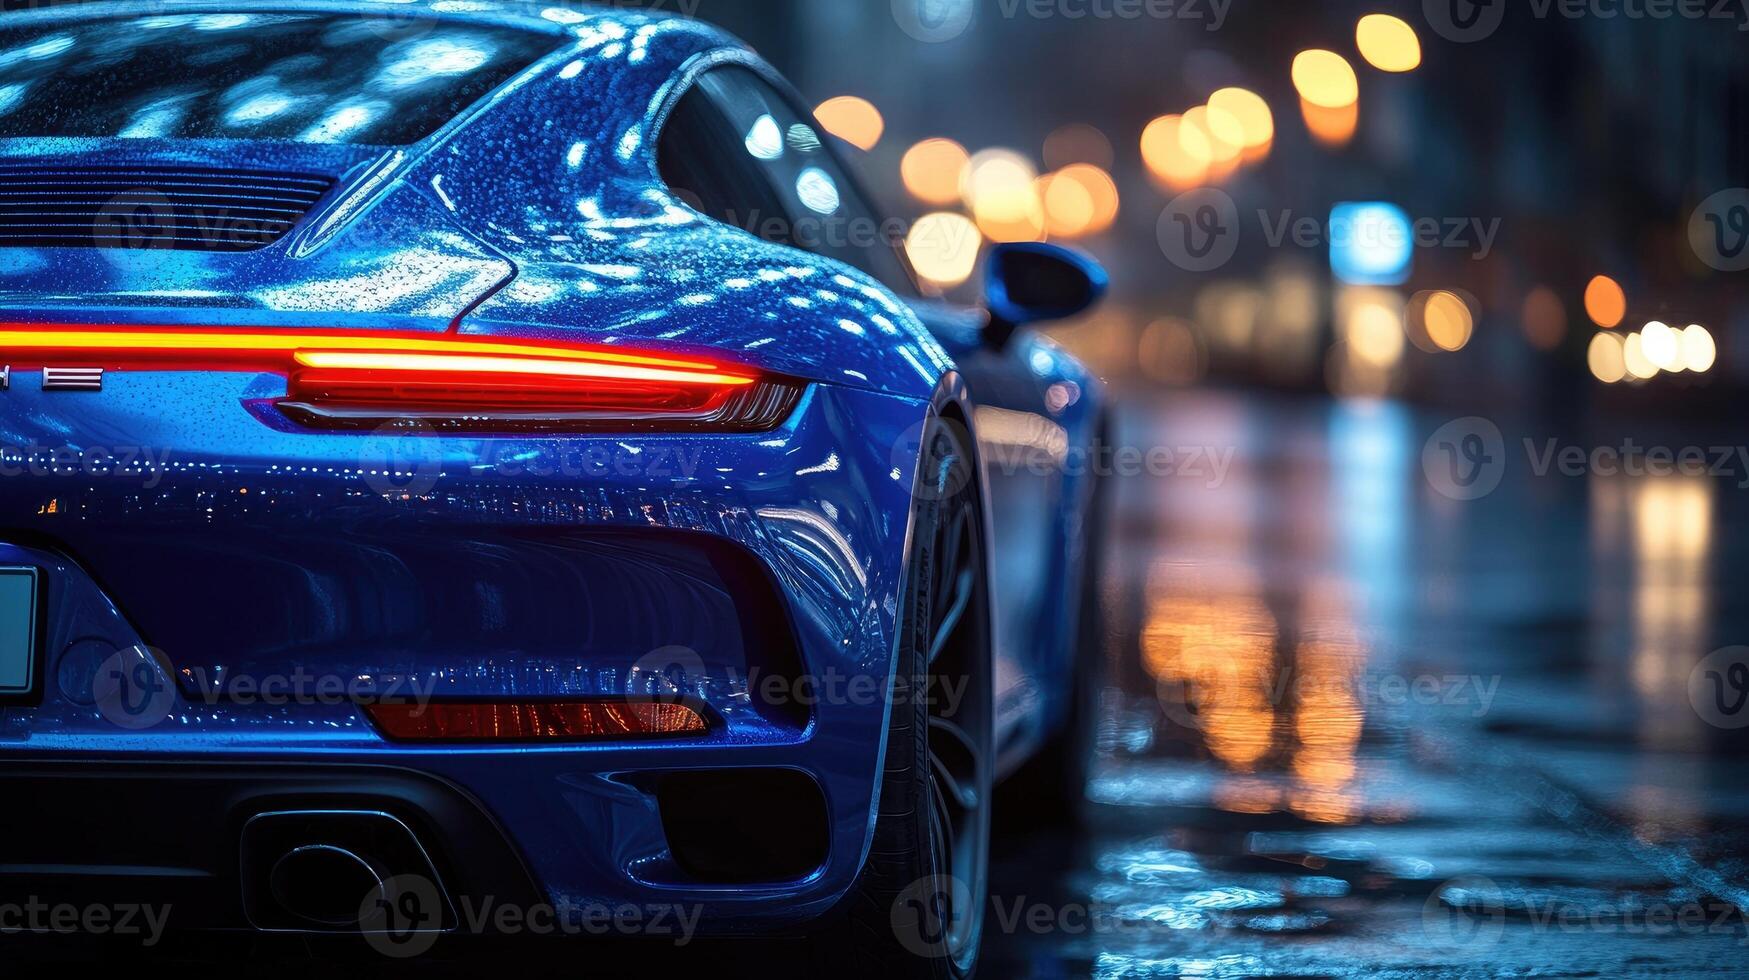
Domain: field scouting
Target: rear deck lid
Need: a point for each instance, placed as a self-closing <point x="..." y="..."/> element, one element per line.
<point x="239" y="168"/>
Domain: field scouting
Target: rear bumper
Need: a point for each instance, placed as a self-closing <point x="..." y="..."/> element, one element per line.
<point x="280" y="576"/>
<point x="174" y="856"/>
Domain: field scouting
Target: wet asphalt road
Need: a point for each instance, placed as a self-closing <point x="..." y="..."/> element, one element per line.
<point x="1360" y="728"/>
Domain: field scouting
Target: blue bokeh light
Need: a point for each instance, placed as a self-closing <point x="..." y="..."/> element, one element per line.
<point x="1371" y="243"/>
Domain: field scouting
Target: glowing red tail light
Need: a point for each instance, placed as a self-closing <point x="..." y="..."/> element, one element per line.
<point x="340" y="379"/>
<point x="435" y="382"/>
<point x="557" y="721"/>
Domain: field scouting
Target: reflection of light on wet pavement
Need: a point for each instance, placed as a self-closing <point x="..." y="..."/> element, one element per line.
<point x="1672" y="528"/>
<point x="1213" y="660"/>
<point x="1266" y="803"/>
<point x="1661" y="531"/>
<point x="1328" y="715"/>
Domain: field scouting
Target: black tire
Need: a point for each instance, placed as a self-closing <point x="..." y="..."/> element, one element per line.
<point x="917" y="909"/>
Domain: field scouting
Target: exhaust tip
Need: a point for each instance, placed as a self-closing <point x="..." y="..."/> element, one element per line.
<point x="314" y="870"/>
<point x="323" y="884"/>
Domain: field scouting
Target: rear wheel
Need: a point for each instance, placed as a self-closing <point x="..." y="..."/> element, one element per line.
<point x="917" y="910"/>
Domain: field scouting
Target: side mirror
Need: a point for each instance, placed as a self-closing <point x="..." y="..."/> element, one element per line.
<point x="1032" y="282"/>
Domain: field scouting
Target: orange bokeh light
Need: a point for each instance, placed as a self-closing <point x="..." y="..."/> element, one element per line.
<point x="1606" y="302"/>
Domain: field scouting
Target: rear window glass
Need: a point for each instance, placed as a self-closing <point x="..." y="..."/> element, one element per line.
<point x="313" y="78"/>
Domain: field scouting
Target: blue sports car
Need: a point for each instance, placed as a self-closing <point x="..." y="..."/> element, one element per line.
<point x="467" y="457"/>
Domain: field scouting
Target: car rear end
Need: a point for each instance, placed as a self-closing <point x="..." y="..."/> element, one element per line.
<point x="314" y="601"/>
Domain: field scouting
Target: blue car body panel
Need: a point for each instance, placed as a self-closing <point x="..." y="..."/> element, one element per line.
<point x="833" y="540"/>
<point x="175" y="498"/>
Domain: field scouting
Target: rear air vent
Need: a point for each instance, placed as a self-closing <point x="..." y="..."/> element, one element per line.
<point x="191" y="208"/>
<point x="744" y="826"/>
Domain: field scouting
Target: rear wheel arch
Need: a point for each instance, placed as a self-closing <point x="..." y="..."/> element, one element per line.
<point x="917" y="906"/>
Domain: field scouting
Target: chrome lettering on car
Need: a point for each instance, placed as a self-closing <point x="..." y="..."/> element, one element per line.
<point x="72" y="379"/>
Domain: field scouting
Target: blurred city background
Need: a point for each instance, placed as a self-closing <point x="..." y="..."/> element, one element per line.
<point x="1454" y="217"/>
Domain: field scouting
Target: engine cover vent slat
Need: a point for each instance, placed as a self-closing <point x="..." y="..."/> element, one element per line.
<point x="171" y="207"/>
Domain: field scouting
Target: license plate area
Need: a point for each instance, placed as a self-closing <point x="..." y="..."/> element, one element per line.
<point x="20" y="617"/>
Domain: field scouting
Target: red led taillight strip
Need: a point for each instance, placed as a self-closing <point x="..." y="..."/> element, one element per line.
<point x="398" y="373"/>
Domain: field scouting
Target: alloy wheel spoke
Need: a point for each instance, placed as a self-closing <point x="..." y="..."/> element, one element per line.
<point x="950" y="554"/>
<point x="948" y="624"/>
<point x="961" y="795"/>
<point x="961" y="739"/>
<point x="944" y="827"/>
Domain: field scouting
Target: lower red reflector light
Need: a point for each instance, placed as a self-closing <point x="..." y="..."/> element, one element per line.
<point x="556" y="721"/>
